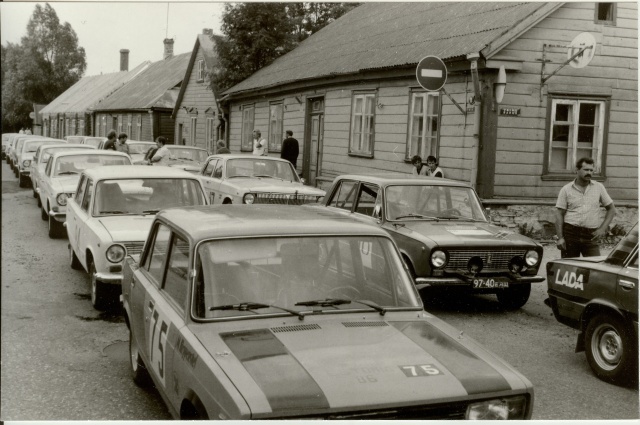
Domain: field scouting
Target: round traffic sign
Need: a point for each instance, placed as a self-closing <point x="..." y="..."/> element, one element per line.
<point x="431" y="73"/>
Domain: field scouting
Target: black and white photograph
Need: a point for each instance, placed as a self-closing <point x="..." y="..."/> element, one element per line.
<point x="418" y="211"/>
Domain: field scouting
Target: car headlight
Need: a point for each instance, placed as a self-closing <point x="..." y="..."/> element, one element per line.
<point x="497" y="409"/>
<point x="115" y="253"/>
<point x="249" y="198"/>
<point x="531" y="258"/>
<point x="62" y="199"/>
<point x="26" y="163"/>
<point x="438" y="259"/>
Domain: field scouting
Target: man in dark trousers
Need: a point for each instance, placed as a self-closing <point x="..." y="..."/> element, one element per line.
<point x="290" y="149"/>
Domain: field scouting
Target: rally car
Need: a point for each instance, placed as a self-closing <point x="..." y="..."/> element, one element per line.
<point x="273" y="312"/>
<point x="599" y="297"/>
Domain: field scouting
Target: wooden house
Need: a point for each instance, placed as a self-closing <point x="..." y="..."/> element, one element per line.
<point x="196" y="113"/>
<point x="351" y="96"/>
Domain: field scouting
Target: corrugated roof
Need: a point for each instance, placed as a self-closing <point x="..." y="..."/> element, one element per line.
<point x="384" y="35"/>
<point x="89" y="91"/>
<point x="149" y="87"/>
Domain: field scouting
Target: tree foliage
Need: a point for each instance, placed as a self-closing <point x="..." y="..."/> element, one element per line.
<point x="256" y="34"/>
<point x="47" y="62"/>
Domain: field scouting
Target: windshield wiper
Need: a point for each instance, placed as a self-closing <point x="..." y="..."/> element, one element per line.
<point x="114" y="212"/>
<point x="187" y="159"/>
<point x="327" y="302"/>
<point x="414" y="215"/>
<point x="68" y="172"/>
<point x="239" y="175"/>
<point x="270" y="177"/>
<point x="155" y="211"/>
<point x="250" y="305"/>
<point x="374" y="306"/>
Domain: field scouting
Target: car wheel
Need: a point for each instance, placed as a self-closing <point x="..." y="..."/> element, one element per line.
<point x="43" y="213"/>
<point x="24" y="181"/>
<point x="139" y="371"/>
<point x="515" y="296"/>
<point x="39" y="203"/>
<point x="56" y="229"/>
<point x="610" y="350"/>
<point x="99" y="293"/>
<point x="74" y="262"/>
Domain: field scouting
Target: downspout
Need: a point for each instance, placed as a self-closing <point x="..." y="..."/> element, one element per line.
<point x="477" y="118"/>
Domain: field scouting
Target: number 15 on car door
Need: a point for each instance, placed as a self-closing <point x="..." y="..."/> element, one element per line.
<point x="158" y="328"/>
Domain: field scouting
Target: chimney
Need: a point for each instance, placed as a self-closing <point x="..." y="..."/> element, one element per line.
<point x="207" y="31"/>
<point x="124" y="59"/>
<point x="168" y="48"/>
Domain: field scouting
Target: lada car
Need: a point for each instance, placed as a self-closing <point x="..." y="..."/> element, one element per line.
<point x="443" y="233"/>
<point x="25" y="157"/>
<point x="137" y="149"/>
<point x="250" y="179"/>
<point x="16" y="148"/>
<point x="188" y="158"/>
<point x="273" y="312"/>
<point x="598" y="296"/>
<point x="96" y="142"/>
<point x="60" y="180"/>
<point x="111" y="214"/>
<point x="6" y="142"/>
<point x="40" y="159"/>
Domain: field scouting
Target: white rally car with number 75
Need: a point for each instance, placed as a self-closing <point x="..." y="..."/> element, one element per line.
<point x="273" y="312"/>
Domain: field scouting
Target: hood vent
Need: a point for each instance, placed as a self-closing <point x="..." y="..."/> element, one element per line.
<point x="295" y="328"/>
<point x="364" y="324"/>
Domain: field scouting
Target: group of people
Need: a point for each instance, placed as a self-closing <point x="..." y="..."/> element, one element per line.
<point x="159" y="154"/>
<point x="24" y="131"/>
<point x="290" y="146"/>
<point x="430" y="170"/>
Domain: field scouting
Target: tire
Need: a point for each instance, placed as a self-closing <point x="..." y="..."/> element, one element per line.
<point x="139" y="371"/>
<point x="610" y="349"/>
<point x="56" y="229"/>
<point x="99" y="290"/>
<point x="43" y="213"/>
<point x="24" y="181"/>
<point x="515" y="296"/>
<point x="73" y="259"/>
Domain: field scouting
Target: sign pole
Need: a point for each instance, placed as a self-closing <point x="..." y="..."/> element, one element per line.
<point x="477" y="121"/>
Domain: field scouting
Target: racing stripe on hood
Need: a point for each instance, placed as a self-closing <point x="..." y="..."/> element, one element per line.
<point x="475" y="375"/>
<point x="284" y="381"/>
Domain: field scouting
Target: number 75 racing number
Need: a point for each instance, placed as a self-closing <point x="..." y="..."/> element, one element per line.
<point x="157" y="344"/>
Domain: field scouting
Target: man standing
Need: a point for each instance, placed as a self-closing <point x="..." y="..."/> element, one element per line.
<point x="121" y="146"/>
<point x="290" y="149"/>
<point x="259" y="144"/>
<point x="110" y="144"/>
<point x="161" y="157"/>
<point x="578" y="223"/>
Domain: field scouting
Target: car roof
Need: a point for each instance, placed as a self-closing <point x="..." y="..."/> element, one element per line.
<point x="389" y="178"/>
<point x="221" y="221"/>
<point x="66" y="145"/>
<point x="245" y="156"/>
<point x="139" y="141"/>
<point x="83" y="151"/>
<point x="185" y="147"/>
<point x="136" y="171"/>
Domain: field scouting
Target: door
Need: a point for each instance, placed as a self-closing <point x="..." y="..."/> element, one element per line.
<point x="211" y="178"/>
<point x="312" y="155"/>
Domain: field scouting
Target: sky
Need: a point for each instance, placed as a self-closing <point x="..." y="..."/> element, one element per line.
<point x="103" y="28"/>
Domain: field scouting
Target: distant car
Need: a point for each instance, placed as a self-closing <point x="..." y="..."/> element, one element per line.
<point x="75" y="139"/>
<point x="138" y="149"/>
<point x="275" y="312"/>
<point x="16" y="149"/>
<point x="60" y="180"/>
<point x="188" y="158"/>
<point x="111" y="215"/>
<point x="39" y="162"/>
<point x="5" y="143"/>
<point x="25" y="157"/>
<point x="443" y="233"/>
<point x="97" y="142"/>
<point x="250" y="179"/>
<point x="598" y="296"/>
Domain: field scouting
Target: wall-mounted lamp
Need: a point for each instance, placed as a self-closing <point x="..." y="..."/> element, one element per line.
<point x="500" y="85"/>
<point x="380" y="106"/>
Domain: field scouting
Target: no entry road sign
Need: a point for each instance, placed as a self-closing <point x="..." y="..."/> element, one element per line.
<point x="431" y="73"/>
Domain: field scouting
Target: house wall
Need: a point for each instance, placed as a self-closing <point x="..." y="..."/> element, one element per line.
<point x="146" y="127"/>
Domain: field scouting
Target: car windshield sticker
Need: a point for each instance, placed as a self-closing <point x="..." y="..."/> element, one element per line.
<point x="414" y="371"/>
<point x="572" y="277"/>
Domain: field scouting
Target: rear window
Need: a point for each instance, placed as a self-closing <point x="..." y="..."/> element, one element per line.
<point x="624" y="247"/>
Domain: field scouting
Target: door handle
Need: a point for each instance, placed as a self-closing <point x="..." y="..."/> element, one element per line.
<point x="627" y="284"/>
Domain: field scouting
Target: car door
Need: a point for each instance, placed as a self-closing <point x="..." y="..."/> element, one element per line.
<point x="211" y="184"/>
<point x="83" y="221"/>
<point x="73" y="207"/>
<point x="627" y="284"/>
<point x="369" y="201"/>
<point x="45" y="186"/>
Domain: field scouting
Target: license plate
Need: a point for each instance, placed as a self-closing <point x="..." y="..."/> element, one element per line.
<point x="489" y="283"/>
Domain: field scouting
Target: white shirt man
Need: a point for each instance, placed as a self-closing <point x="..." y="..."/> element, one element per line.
<point x="161" y="157"/>
<point x="259" y="144"/>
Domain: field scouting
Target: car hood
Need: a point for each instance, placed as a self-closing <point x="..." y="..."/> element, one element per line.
<point x="360" y="364"/>
<point x="452" y="233"/>
<point x="66" y="184"/>
<point x="127" y="227"/>
<point x="268" y="185"/>
<point x="192" y="167"/>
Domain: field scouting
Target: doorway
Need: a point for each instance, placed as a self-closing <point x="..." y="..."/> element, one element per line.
<point x="312" y="155"/>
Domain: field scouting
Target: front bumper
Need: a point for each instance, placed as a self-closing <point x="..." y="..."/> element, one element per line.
<point x="466" y="282"/>
<point x="58" y="216"/>
<point x="25" y="173"/>
<point x="110" y="278"/>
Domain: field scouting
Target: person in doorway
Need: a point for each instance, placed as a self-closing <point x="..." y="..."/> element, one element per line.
<point x="110" y="144"/>
<point x="419" y="169"/>
<point x="578" y="222"/>
<point x="121" y="146"/>
<point x="221" y="148"/>
<point x="432" y="167"/>
<point x="259" y="144"/>
<point x="162" y="155"/>
<point x="290" y="149"/>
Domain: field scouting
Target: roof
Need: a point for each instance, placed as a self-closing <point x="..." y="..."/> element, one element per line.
<point x="397" y="35"/>
<point x="383" y="179"/>
<point x="216" y="221"/>
<point x="152" y="88"/>
<point x="136" y="171"/>
<point x="89" y="91"/>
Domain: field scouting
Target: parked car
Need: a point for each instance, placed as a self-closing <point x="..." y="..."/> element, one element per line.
<point x="276" y="312"/>
<point x="137" y="149"/>
<point x="26" y="154"/>
<point x="10" y="142"/>
<point x="250" y="179"/>
<point x="5" y="142"/>
<point x="97" y="142"/>
<point x="188" y="158"/>
<point x="111" y="215"/>
<point x="75" y="139"/>
<point x="598" y="296"/>
<point x="16" y="147"/>
<point x="443" y="233"/>
<point x="60" y="180"/>
<point x="39" y="162"/>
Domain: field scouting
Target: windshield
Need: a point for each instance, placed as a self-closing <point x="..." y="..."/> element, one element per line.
<point x="74" y="139"/>
<point x="197" y="155"/>
<point x="261" y="167"/>
<point x="93" y="141"/>
<point x="74" y="164"/>
<point x="298" y="272"/>
<point x="432" y="201"/>
<point x="140" y="148"/>
<point x="145" y="196"/>
<point x="620" y="253"/>
<point x="32" y="146"/>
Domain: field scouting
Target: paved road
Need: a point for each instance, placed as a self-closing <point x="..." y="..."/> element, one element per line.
<point x="62" y="360"/>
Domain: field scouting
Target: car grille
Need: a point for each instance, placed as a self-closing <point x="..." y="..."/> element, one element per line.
<point x="459" y="258"/>
<point x="285" y="198"/>
<point x="438" y="412"/>
<point x="133" y="248"/>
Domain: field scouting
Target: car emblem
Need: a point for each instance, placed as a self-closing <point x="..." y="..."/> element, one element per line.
<point x="489" y="259"/>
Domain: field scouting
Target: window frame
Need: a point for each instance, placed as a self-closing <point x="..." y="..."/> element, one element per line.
<point x="366" y="153"/>
<point x="601" y="145"/>
<point x="275" y="138"/>
<point x="210" y="126"/>
<point x="435" y="147"/>
<point x="193" y="125"/>
<point x="138" y="126"/>
<point x="246" y="132"/>
<point x="200" y="71"/>
<point x="614" y="14"/>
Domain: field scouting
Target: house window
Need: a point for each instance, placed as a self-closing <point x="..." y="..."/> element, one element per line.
<point x="200" y="70"/>
<point x="210" y="127"/>
<point x="104" y="126"/>
<point x="246" y="143"/>
<point x="129" y="125"/>
<point x="81" y="127"/>
<point x="275" y="127"/>
<point x="192" y="131"/>
<point x="67" y="128"/>
<point x="424" y="126"/>
<point x="120" y="124"/>
<point x="362" y="124"/>
<point x="606" y="13"/>
<point x="138" y="127"/>
<point x="576" y="130"/>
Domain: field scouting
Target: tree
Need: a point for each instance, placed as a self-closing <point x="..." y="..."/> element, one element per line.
<point x="256" y="34"/>
<point x="46" y="63"/>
